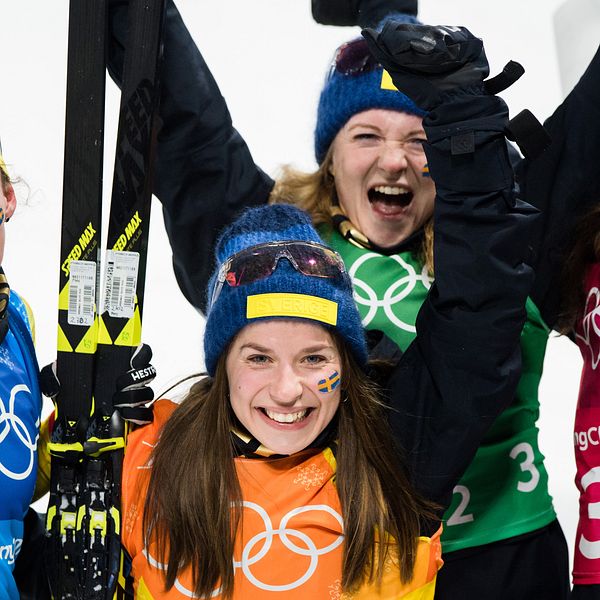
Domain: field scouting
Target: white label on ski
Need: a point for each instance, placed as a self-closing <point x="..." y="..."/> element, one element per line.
<point x="120" y="283"/>
<point x="82" y="292"/>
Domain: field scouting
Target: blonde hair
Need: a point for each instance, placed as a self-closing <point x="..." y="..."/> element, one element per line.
<point x="315" y="193"/>
<point x="4" y="177"/>
<point x="312" y="192"/>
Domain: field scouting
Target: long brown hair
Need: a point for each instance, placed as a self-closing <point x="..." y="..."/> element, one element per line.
<point x="193" y="479"/>
<point x="315" y="193"/>
<point x="584" y="250"/>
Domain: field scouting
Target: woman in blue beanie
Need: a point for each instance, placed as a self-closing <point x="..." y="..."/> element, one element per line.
<point x="501" y="512"/>
<point x="284" y="473"/>
<point x="373" y="198"/>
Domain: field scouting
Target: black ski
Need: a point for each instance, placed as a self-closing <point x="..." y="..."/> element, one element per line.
<point x="119" y="331"/>
<point x="79" y="270"/>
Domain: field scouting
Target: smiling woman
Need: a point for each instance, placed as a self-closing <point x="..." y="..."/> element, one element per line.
<point x="275" y="371"/>
<point x="288" y="379"/>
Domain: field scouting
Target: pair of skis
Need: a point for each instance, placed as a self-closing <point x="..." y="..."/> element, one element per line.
<point x="96" y="345"/>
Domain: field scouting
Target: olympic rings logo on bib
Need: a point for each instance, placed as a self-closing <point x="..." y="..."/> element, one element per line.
<point x="259" y="547"/>
<point x="401" y="288"/>
<point x="12" y="425"/>
<point x="591" y="326"/>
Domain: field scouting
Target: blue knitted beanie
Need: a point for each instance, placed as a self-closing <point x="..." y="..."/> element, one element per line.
<point x="344" y="96"/>
<point x="233" y="310"/>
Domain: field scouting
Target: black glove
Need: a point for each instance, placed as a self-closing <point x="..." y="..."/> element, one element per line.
<point x="365" y="13"/>
<point x="49" y="383"/>
<point x="428" y="62"/>
<point x="134" y="394"/>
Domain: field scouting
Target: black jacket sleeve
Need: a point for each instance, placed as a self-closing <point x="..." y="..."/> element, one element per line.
<point x="204" y="173"/>
<point x="564" y="182"/>
<point x="463" y="367"/>
<point x="365" y="13"/>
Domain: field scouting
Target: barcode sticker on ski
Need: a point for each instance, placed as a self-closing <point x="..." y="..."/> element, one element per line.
<point x="82" y="292"/>
<point x="120" y="282"/>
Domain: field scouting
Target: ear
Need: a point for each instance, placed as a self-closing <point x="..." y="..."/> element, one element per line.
<point x="329" y="158"/>
<point x="11" y="201"/>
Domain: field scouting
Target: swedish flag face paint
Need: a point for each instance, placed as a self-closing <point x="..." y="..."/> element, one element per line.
<point x="327" y="385"/>
<point x="2" y="215"/>
<point x="425" y="171"/>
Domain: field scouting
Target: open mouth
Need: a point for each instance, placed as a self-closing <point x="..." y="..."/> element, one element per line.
<point x="295" y="417"/>
<point x="390" y="196"/>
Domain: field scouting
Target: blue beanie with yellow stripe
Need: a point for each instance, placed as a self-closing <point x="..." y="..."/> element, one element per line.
<point x="345" y="95"/>
<point x="325" y="301"/>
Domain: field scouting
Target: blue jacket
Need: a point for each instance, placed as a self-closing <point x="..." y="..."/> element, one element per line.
<point x="20" y="412"/>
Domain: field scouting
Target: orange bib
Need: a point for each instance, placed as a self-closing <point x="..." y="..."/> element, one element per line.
<point x="290" y="543"/>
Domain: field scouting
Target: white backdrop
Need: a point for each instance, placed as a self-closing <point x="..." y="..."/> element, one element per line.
<point x="269" y="58"/>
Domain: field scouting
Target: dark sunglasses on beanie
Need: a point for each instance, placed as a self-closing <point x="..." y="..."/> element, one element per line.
<point x="258" y="262"/>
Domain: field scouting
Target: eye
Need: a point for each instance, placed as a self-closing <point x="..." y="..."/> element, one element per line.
<point x="415" y="144"/>
<point x="258" y="359"/>
<point x="314" y="359"/>
<point x="366" y="137"/>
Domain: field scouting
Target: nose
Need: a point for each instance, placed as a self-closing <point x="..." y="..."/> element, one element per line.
<point x="393" y="159"/>
<point x="286" y="386"/>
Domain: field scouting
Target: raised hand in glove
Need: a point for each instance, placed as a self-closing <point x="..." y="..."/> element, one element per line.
<point x="427" y="62"/>
<point x="430" y="63"/>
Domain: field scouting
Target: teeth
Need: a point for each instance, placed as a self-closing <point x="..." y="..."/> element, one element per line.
<point x="287" y="417"/>
<point x="389" y="190"/>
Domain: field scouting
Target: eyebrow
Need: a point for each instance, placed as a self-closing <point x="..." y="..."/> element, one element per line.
<point x="252" y="346"/>
<point x="308" y="350"/>
<point x="411" y="133"/>
<point x="318" y="349"/>
<point x="366" y="125"/>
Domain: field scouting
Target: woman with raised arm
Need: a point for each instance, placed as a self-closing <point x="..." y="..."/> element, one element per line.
<point x="286" y="473"/>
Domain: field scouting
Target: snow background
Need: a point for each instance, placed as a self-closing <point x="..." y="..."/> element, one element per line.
<point x="269" y="58"/>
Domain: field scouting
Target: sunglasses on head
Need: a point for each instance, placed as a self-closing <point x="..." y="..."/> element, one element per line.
<point x="258" y="262"/>
<point x="353" y="58"/>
